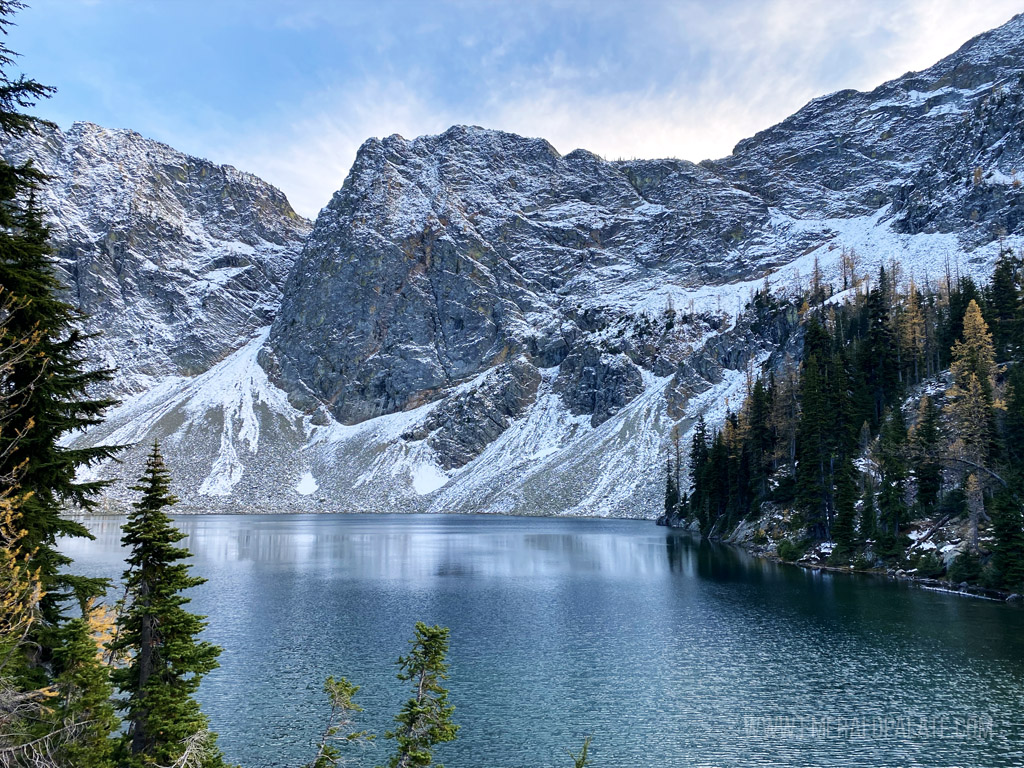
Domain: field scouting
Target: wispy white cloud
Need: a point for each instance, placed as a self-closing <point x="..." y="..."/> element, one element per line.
<point x="311" y="155"/>
<point x="717" y="73"/>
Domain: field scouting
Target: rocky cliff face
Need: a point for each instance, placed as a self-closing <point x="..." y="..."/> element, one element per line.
<point x="177" y="261"/>
<point x="477" y="323"/>
<point x="916" y="141"/>
<point x="447" y="255"/>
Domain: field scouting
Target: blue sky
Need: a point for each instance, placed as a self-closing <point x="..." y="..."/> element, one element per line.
<point x="289" y="89"/>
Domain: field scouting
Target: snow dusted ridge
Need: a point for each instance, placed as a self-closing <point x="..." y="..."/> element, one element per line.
<point x="236" y="444"/>
<point x="176" y="260"/>
<point x="477" y="323"/>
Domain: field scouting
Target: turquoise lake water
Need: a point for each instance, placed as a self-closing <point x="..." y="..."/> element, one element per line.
<point x="667" y="651"/>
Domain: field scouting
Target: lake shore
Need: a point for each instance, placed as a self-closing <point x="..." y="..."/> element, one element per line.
<point x="810" y="562"/>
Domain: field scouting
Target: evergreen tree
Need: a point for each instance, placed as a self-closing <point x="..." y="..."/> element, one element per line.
<point x="671" y="491"/>
<point x="926" y="452"/>
<point x="715" y="484"/>
<point x="762" y="443"/>
<point x="51" y="387"/>
<point x="912" y="335"/>
<point x="736" y="436"/>
<point x="699" y="454"/>
<point x="892" y="504"/>
<point x="54" y="688"/>
<point x="844" y="532"/>
<point x="878" y="359"/>
<point x="1008" y="527"/>
<point x="426" y="719"/>
<point x="1004" y="302"/>
<point x="868" y="512"/>
<point x="965" y="567"/>
<point x="970" y="403"/>
<point x="1013" y="425"/>
<point x="974" y="353"/>
<point x="581" y="759"/>
<point x="698" y="449"/>
<point x="971" y="420"/>
<point x="813" y="488"/>
<point x="341" y="694"/>
<point x="785" y="399"/>
<point x="954" y="305"/>
<point x="84" y="689"/>
<point x="167" y="661"/>
<point x="844" y="416"/>
<point x="1007" y="509"/>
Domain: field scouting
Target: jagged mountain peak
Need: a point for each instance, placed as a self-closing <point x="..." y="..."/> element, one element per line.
<point x="855" y="153"/>
<point x="987" y="60"/>
<point x="456" y="140"/>
<point x="133" y="151"/>
<point x="1001" y="46"/>
<point x="478" y="322"/>
<point x="177" y="261"/>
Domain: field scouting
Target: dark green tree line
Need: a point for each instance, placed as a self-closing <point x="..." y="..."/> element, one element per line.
<point x="797" y="437"/>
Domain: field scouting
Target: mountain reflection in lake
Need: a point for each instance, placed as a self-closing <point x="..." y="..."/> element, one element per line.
<point x="668" y="650"/>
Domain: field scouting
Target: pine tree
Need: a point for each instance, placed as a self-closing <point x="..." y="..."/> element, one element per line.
<point x="55" y="691"/>
<point x="784" y="417"/>
<point x="1004" y="301"/>
<point x="892" y="496"/>
<point x="819" y="291"/>
<point x="844" y="532"/>
<point x="970" y="405"/>
<point x="758" y="409"/>
<point x="974" y="353"/>
<point x="167" y="661"/>
<point x="52" y="385"/>
<point x="735" y="436"/>
<point x="24" y="696"/>
<point x="1008" y="527"/>
<point x="20" y="590"/>
<point x="83" y="685"/>
<point x="812" y="482"/>
<point x="954" y="303"/>
<point x="341" y="694"/>
<point x="699" y="454"/>
<point x="671" y="491"/>
<point x="878" y="359"/>
<point x="926" y="450"/>
<point x="912" y="335"/>
<point x="714" y="483"/>
<point x="581" y="759"/>
<point x="20" y="586"/>
<point x="971" y="420"/>
<point x="426" y="719"/>
<point x="1013" y="426"/>
<point x="698" y="448"/>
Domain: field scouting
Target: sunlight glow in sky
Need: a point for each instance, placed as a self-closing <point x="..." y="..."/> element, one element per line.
<point x="289" y="90"/>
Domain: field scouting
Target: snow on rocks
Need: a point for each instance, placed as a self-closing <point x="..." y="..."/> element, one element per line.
<point x="307" y="484"/>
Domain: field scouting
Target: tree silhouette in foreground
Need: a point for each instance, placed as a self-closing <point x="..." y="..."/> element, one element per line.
<point x="166" y="660"/>
<point x="426" y="719"/>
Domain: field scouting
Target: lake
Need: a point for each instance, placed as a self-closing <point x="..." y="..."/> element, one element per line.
<point x="668" y="651"/>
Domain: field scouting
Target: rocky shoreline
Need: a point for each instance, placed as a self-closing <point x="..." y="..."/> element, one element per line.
<point x="812" y="560"/>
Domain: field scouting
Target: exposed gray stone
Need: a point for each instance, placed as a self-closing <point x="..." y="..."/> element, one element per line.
<point x="598" y="383"/>
<point x="176" y="260"/>
<point x="466" y="422"/>
<point x="509" y="288"/>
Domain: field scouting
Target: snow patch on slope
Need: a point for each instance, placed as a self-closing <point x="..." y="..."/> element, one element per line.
<point x="307" y="484"/>
<point x="235" y="442"/>
<point x="232" y="388"/>
<point x="924" y="257"/>
<point x="427" y="478"/>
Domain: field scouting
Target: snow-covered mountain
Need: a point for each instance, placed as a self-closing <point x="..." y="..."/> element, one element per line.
<point x="177" y="261"/>
<point x="477" y="323"/>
